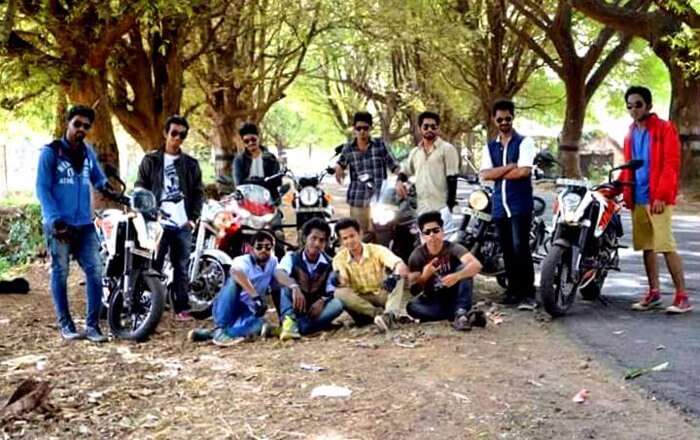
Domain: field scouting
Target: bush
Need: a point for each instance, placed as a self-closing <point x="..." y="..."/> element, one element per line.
<point x="21" y="237"/>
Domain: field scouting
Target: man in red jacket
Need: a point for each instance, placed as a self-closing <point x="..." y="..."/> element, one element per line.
<point x="653" y="195"/>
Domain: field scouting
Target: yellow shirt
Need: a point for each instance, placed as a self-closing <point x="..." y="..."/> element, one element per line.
<point x="368" y="274"/>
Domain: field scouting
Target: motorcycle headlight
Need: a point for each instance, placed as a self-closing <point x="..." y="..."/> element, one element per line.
<point x="478" y="200"/>
<point x="308" y="196"/>
<point x="570" y="201"/>
<point x="382" y="214"/>
<point x="223" y="219"/>
<point x="258" y="222"/>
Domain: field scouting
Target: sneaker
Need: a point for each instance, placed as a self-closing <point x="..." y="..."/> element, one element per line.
<point x="183" y="316"/>
<point x="93" y="334"/>
<point x="528" y="304"/>
<point x="509" y="300"/>
<point x="680" y="305"/>
<point x="267" y="330"/>
<point x="477" y="318"/>
<point x="651" y="300"/>
<point x="199" y="335"/>
<point x="461" y="322"/>
<point x="222" y="339"/>
<point x="290" y="329"/>
<point x="385" y="321"/>
<point x="68" y="333"/>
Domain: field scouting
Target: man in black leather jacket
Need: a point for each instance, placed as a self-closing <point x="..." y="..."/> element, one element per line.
<point x="176" y="181"/>
<point x="256" y="162"/>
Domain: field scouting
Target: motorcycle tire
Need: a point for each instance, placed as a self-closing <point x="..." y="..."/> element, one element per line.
<point x="592" y="291"/>
<point x="138" y="331"/>
<point x="550" y="283"/>
<point x="201" y="295"/>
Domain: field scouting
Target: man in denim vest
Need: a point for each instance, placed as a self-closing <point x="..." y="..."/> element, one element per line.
<point x="508" y="161"/>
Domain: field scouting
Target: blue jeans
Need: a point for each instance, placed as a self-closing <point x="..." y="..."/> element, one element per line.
<point x="443" y="304"/>
<point x="85" y="249"/>
<point x="332" y="308"/>
<point x="178" y="241"/>
<point x="232" y="313"/>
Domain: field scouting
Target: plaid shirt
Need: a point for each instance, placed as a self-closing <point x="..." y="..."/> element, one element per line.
<point x="373" y="161"/>
<point x="367" y="275"/>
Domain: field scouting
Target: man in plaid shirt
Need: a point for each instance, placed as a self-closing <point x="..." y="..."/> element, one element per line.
<point x="368" y="159"/>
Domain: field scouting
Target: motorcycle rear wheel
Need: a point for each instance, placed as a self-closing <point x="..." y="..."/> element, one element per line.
<point x="142" y="318"/>
<point x="556" y="292"/>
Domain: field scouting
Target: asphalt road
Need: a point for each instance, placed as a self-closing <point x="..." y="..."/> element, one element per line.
<point x="627" y="339"/>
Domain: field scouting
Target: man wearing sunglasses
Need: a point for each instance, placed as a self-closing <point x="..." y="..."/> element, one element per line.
<point x="239" y="307"/>
<point x="368" y="159"/>
<point x="656" y="143"/>
<point x="508" y="161"/>
<point x="363" y="286"/>
<point x="256" y="162"/>
<point x="435" y="163"/>
<point x="442" y="272"/>
<point x="67" y="170"/>
<point x="175" y="178"/>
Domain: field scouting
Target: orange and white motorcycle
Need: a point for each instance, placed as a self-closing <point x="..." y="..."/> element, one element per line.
<point x="585" y="241"/>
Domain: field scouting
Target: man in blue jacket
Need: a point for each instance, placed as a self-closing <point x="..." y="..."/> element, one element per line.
<point x="67" y="168"/>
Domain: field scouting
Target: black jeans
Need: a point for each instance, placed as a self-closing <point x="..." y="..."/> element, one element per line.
<point x="178" y="241"/>
<point x="514" y="235"/>
<point x="441" y="305"/>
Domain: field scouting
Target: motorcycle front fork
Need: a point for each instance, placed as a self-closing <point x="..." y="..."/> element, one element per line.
<point x="576" y="254"/>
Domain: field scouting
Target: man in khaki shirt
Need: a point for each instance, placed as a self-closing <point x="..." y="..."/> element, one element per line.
<point x="435" y="164"/>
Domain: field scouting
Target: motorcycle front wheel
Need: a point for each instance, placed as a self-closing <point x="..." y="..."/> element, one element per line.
<point x="140" y="319"/>
<point x="557" y="291"/>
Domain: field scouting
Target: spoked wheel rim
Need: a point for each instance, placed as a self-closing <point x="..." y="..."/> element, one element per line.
<point x="211" y="278"/>
<point x="564" y="289"/>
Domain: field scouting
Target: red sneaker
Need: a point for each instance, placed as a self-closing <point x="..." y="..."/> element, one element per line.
<point x="651" y="300"/>
<point x="680" y="305"/>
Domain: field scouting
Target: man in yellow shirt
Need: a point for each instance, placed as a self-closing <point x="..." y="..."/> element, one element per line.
<point x="363" y="287"/>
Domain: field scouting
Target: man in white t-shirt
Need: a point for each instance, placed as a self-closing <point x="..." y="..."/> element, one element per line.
<point x="176" y="181"/>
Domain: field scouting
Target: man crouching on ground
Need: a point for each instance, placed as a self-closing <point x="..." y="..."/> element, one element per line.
<point x="443" y="272"/>
<point x="312" y="307"/>
<point x="239" y="307"/>
<point x="363" y="288"/>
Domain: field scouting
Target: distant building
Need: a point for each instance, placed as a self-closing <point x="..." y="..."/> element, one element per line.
<point x="600" y="152"/>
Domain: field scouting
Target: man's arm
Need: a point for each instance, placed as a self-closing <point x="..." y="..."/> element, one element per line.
<point x="143" y="180"/>
<point x="285" y="280"/>
<point x="526" y="160"/>
<point x="242" y="279"/>
<point x="470" y="267"/>
<point x="496" y="173"/>
<point x="340" y="167"/>
<point x="197" y="192"/>
<point x="518" y="173"/>
<point x="44" y="184"/>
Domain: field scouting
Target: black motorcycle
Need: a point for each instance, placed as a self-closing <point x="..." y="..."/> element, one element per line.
<point x="394" y="219"/>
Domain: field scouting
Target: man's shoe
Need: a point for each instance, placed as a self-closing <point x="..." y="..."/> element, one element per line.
<point x="680" y="305"/>
<point x="528" y="304"/>
<point x="461" y="323"/>
<point x="290" y="329"/>
<point x="477" y="318"/>
<point x="183" y="316"/>
<point x="385" y="321"/>
<point x="199" y="335"/>
<point x="651" y="300"/>
<point x="93" y="334"/>
<point x="222" y="339"/>
<point x="509" y="300"/>
<point x="68" y="333"/>
<point x="266" y="331"/>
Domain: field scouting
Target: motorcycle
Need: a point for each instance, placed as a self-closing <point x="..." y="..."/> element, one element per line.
<point x="585" y="241"/>
<point x="309" y="199"/>
<point x="479" y="234"/>
<point x="394" y="219"/>
<point x="132" y="288"/>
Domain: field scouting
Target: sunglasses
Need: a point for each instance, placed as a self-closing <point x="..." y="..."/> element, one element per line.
<point x="362" y="128"/>
<point x="79" y="125"/>
<point x="431" y="231"/>
<point x="506" y="119"/>
<point x="429" y="126"/>
<point x="181" y="134"/>
<point x="636" y="104"/>
<point x="250" y="140"/>
<point x="259" y="247"/>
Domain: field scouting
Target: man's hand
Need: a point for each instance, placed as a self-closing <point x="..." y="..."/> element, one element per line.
<point x="298" y="300"/>
<point x="339" y="174"/>
<point x="402" y="270"/>
<point x="190" y="225"/>
<point x="401" y="190"/>
<point x="259" y="306"/>
<point x="429" y="269"/>
<point x="658" y="207"/>
<point x="316" y="308"/>
<point x="450" y="280"/>
<point x="61" y="231"/>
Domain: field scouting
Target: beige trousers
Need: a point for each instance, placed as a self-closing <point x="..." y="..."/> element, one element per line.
<point x="373" y="304"/>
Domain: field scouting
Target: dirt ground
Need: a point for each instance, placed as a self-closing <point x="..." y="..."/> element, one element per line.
<point x="515" y="380"/>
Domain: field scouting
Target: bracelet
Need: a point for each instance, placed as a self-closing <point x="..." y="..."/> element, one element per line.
<point x="294" y="286"/>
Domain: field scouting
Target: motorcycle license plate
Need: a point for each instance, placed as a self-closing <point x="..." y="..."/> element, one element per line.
<point x="476" y="214"/>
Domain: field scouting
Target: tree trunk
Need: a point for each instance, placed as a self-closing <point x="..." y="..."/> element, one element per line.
<point x="225" y="149"/>
<point x="685" y="113"/>
<point x="570" y="138"/>
<point x="92" y="91"/>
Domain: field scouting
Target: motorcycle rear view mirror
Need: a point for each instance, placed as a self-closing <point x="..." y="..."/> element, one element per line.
<point x="544" y="159"/>
<point x="330" y="170"/>
<point x="339" y="149"/>
<point x="633" y="164"/>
